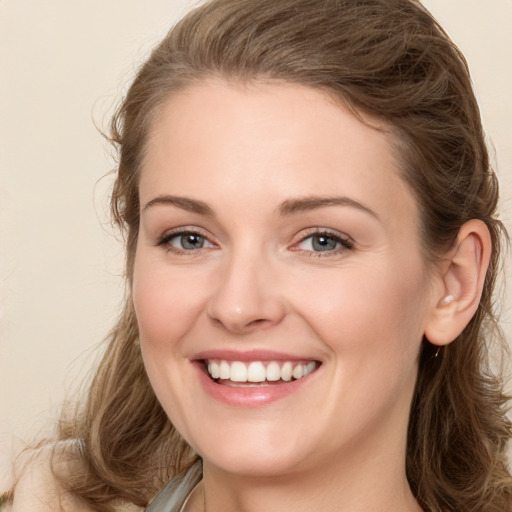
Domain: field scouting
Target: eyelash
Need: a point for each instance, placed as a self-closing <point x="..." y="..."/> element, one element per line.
<point x="345" y="243"/>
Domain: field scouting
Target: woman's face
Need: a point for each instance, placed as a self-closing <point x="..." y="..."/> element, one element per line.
<point x="277" y="239"/>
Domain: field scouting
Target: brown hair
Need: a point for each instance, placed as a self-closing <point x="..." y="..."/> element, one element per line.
<point x="391" y="61"/>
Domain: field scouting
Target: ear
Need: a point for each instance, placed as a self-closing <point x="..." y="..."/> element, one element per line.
<point x="462" y="280"/>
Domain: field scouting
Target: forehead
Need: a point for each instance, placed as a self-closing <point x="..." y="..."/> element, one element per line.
<point x="244" y="142"/>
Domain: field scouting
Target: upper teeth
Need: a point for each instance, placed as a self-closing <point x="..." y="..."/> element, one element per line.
<point x="257" y="371"/>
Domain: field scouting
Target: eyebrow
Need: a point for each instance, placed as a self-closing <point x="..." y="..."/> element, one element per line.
<point x="185" y="203"/>
<point x="288" y="207"/>
<point x="303" y="204"/>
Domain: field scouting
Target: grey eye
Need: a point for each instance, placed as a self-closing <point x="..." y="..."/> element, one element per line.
<point x="320" y="242"/>
<point x="188" y="241"/>
<point x="323" y="243"/>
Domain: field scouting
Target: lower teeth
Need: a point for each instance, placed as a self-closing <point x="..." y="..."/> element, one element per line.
<point x="248" y="384"/>
<point x="232" y="384"/>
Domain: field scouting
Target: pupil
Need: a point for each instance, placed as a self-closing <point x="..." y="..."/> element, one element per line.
<point x="323" y="243"/>
<point x="192" y="241"/>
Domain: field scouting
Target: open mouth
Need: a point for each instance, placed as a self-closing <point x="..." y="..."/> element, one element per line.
<point x="258" y="373"/>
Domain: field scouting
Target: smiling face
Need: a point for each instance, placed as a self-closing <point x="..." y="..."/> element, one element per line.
<point x="279" y="249"/>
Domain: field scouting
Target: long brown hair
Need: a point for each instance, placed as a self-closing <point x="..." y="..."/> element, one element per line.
<point x="391" y="61"/>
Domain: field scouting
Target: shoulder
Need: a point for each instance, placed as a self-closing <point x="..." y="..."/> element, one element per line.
<point x="37" y="487"/>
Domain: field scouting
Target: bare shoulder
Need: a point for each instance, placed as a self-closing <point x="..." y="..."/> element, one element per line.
<point x="37" y="487"/>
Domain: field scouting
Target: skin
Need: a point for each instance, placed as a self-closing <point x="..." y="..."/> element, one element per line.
<point x="338" y="442"/>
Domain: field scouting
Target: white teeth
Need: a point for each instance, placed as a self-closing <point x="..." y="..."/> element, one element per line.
<point x="238" y="372"/>
<point x="257" y="372"/>
<point x="213" y="369"/>
<point x="224" y="370"/>
<point x="273" y="372"/>
<point x="309" y="368"/>
<point x="298" y="372"/>
<point x="286" y="371"/>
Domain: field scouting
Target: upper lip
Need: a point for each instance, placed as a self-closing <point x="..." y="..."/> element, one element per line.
<point x="249" y="355"/>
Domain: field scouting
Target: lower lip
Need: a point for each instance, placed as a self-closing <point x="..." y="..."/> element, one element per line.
<point x="248" y="397"/>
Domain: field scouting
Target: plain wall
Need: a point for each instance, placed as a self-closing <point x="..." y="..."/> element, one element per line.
<point x="63" y="64"/>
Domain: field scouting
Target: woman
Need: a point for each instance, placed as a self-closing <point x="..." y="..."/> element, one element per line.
<point x="312" y="245"/>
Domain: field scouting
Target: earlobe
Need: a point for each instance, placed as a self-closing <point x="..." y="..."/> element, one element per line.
<point x="463" y="279"/>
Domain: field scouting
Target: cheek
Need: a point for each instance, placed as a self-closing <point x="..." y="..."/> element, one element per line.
<point x="371" y="308"/>
<point x="166" y="303"/>
<point x="166" y="307"/>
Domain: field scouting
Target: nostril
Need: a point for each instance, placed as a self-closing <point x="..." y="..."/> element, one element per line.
<point x="238" y="321"/>
<point x="258" y="323"/>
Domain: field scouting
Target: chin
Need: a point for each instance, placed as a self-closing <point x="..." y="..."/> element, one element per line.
<point x="247" y="463"/>
<point x="252" y="454"/>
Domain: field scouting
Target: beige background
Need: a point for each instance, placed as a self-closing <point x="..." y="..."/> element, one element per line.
<point x="63" y="66"/>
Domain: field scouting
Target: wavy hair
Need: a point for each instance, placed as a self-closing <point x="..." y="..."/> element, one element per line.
<point x="387" y="60"/>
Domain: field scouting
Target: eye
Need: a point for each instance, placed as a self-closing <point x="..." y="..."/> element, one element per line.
<point x="185" y="241"/>
<point x="188" y="241"/>
<point x="324" y="242"/>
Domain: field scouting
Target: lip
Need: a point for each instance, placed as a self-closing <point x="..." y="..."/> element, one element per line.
<point x="249" y="355"/>
<point x="249" y="397"/>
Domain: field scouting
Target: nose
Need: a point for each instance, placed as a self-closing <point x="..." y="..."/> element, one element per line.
<point x="247" y="296"/>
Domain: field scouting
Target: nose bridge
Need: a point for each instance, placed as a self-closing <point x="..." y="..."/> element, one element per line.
<point x="246" y="294"/>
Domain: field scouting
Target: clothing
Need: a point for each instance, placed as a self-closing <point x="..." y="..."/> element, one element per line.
<point x="172" y="497"/>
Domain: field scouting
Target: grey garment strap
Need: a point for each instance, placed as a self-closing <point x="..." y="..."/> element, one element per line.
<point x="174" y="494"/>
